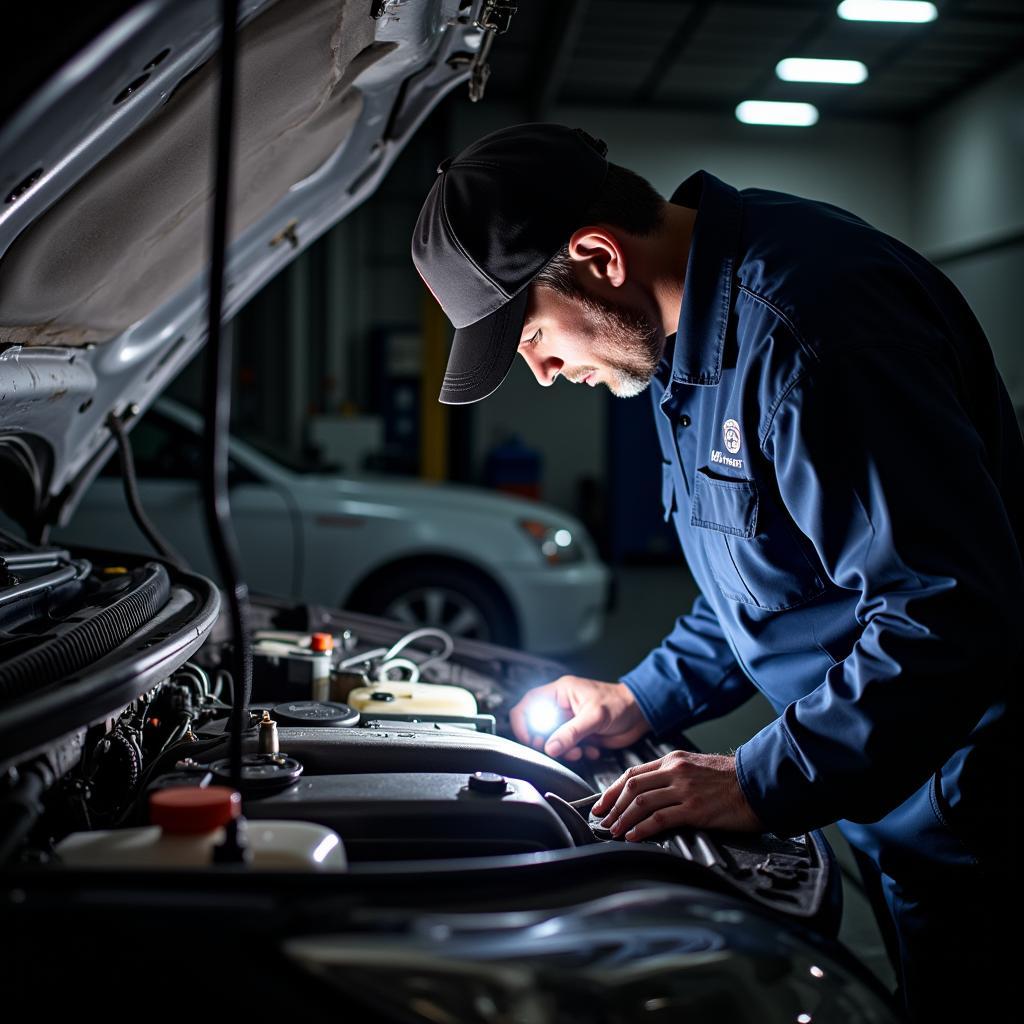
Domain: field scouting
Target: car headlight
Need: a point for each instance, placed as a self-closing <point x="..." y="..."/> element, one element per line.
<point x="556" y="543"/>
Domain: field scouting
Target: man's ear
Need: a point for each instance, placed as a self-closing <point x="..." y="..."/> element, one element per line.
<point x="600" y="254"/>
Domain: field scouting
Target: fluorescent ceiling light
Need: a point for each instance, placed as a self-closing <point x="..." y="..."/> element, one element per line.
<point x="806" y="69"/>
<point x="887" y="10"/>
<point x="800" y="115"/>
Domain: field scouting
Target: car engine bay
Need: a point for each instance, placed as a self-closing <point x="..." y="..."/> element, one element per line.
<point x="391" y="814"/>
<point x="421" y="764"/>
<point x="210" y="798"/>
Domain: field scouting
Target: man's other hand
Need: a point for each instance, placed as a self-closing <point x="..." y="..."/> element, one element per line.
<point x="698" y="790"/>
<point x="600" y="715"/>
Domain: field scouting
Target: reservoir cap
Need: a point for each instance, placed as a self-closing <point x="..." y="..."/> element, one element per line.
<point x="189" y="811"/>
<point x="321" y="642"/>
<point x="315" y="712"/>
<point x="490" y="783"/>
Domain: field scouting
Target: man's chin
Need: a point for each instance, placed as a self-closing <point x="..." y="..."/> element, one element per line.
<point x="628" y="385"/>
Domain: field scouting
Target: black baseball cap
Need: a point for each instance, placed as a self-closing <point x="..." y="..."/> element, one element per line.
<point x="495" y="216"/>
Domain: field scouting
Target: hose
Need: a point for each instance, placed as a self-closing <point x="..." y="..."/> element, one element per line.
<point x="134" y="499"/>
<point x="389" y="655"/>
<point x="88" y="641"/>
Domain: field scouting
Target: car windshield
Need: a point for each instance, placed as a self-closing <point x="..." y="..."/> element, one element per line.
<point x="166" y="450"/>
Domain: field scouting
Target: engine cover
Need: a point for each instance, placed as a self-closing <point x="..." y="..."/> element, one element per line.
<point x="421" y="815"/>
<point x="376" y="747"/>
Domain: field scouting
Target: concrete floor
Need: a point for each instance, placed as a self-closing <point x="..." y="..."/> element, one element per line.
<point x="649" y="600"/>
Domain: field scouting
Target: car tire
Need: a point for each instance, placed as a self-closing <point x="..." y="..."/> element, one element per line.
<point x="461" y="602"/>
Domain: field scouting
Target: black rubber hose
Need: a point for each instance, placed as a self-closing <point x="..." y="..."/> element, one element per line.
<point x="217" y="402"/>
<point x="134" y="499"/>
<point x="88" y="641"/>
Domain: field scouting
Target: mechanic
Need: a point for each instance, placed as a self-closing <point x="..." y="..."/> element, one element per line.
<point x="845" y="473"/>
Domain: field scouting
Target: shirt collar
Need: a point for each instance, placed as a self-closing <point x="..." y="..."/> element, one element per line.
<point x="707" y="289"/>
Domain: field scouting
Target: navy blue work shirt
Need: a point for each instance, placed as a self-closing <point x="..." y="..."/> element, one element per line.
<point x="846" y="476"/>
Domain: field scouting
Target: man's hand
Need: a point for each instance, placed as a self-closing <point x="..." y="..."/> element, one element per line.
<point x="605" y="714"/>
<point x="699" y="790"/>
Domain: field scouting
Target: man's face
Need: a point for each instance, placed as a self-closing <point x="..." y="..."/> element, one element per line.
<point x="589" y="339"/>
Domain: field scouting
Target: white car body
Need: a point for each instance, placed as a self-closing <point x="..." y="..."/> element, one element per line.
<point x="320" y="538"/>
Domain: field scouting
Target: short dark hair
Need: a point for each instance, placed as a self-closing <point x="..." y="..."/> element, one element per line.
<point x="627" y="201"/>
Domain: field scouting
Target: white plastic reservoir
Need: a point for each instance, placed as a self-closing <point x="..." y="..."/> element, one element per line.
<point x="412" y="698"/>
<point x="189" y="822"/>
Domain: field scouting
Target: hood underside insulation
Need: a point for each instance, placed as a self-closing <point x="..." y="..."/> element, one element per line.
<point x="134" y="231"/>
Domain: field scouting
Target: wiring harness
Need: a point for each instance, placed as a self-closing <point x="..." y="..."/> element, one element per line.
<point x="381" y="662"/>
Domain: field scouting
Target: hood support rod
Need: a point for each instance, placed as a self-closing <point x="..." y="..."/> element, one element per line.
<point x="217" y="410"/>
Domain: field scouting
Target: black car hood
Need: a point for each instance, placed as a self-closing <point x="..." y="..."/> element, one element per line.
<point x="107" y="175"/>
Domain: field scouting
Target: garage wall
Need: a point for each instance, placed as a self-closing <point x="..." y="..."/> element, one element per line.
<point x="952" y="186"/>
<point x="968" y="165"/>
<point x="862" y="166"/>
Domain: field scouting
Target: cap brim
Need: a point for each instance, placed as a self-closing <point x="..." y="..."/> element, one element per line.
<point x="483" y="353"/>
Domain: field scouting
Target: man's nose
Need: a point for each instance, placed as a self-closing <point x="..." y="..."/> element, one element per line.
<point x="545" y="368"/>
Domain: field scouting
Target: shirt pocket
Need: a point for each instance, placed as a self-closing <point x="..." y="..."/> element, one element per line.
<point x="750" y="545"/>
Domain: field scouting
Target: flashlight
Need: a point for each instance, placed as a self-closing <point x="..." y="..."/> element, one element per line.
<point x="543" y="716"/>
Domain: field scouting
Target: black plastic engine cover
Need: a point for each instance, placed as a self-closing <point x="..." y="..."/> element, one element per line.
<point x="415" y="746"/>
<point x="420" y="816"/>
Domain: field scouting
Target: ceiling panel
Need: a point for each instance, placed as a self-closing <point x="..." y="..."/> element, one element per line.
<point x="631" y="36"/>
<point x="715" y="53"/>
<point x="991" y="7"/>
<point x="701" y="81"/>
<point x="852" y="41"/>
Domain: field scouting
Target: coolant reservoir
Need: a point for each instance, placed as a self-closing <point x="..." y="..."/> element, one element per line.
<point x="412" y="698"/>
<point x="188" y="823"/>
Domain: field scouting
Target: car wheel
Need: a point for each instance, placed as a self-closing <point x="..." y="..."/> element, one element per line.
<point x="461" y="603"/>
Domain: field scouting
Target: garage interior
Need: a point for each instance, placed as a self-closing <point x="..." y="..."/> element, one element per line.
<point x="929" y="149"/>
<point x="336" y="360"/>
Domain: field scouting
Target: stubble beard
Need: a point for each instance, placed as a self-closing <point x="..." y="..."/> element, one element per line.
<point x="628" y="343"/>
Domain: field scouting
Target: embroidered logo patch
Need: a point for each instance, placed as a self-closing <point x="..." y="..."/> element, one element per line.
<point x="731" y="435"/>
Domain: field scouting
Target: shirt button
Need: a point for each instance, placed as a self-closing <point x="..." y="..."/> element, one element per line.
<point x="684" y="420"/>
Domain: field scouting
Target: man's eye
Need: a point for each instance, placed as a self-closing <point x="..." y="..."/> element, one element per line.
<point x="530" y="341"/>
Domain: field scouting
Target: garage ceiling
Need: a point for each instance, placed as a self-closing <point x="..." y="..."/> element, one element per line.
<point x="708" y="55"/>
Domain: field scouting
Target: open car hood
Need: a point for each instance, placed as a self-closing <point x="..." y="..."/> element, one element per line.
<point x="107" y="177"/>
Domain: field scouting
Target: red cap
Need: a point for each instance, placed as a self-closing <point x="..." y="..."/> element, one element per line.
<point x="321" y="642"/>
<point x="189" y="811"/>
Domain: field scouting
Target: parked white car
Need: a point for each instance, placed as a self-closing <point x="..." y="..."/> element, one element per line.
<point x="477" y="564"/>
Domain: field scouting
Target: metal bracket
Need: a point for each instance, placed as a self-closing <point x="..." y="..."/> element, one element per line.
<point x="289" y="233"/>
<point x="494" y="20"/>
